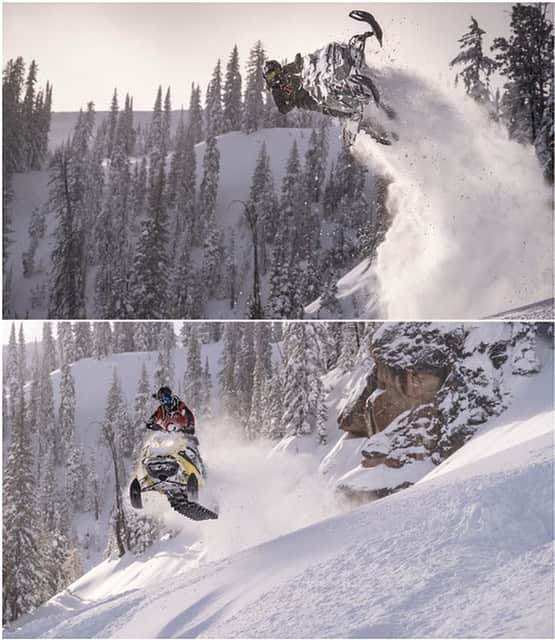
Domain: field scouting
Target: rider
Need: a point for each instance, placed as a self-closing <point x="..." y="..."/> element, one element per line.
<point x="286" y="86"/>
<point x="286" y="82"/>
<point x="170" y="406"/>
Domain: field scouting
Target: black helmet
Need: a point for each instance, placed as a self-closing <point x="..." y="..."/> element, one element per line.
<point x="165" y="395"/>
<point x="272" y="71"/>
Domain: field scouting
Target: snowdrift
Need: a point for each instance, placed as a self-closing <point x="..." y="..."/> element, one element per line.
<point x="465" y="552"/>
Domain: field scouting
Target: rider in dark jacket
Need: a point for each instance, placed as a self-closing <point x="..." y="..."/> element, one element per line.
<point x="171" y="405"/>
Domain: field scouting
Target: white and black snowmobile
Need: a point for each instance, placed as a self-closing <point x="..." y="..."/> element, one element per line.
<point x="171" y="464"/>
<point x="336" y="81"/>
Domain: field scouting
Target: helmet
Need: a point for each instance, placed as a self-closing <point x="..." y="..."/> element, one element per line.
<point x="165" y="396"/>
<point x="272" y="71"/>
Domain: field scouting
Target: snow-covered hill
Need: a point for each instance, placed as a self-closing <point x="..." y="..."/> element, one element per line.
<point x="467" y="551"/>
<point x="238" y="156"/>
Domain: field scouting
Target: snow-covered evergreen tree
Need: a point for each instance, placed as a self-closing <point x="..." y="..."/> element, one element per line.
<point x="208" y="189"/>
<point x="102" y="339"/>
<point x="303" y="386"/>
<point x="195" y="115"/>
<point x="253" y="113"/>
<point x="151" y="265"/>
<point x="214" y="110"/>
<point x="230" y="338"/>
<point x="49" y="359"/>
<point x="192" y="379"/>
<point x="83" y="339"/>
<point x="477" y="67"/>
<point x="272" y="425"/>
<point x="232" y="100"/>
<point x="23" y="567"/>
<point x="526" y="60"/>
<point x="206" y="407"/>
<point x="140" y="411"/>
<point x="66" y="413"/>
<point x="165" y="364"/>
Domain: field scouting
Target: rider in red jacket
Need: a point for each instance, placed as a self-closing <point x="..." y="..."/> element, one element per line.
<point x="172" y="407"/>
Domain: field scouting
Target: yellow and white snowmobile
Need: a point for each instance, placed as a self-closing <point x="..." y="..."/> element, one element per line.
<point x="171" y="464"/>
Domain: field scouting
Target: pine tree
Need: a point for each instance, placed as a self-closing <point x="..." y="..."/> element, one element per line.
<point x="11" y="375"/>
<point x="140" y="336"/>
<point x="262" y="370"/>
<point x="66" y="295"/>
<point x="477" y="66"/>
<point x="151" y="265"/>
<point x="544" y="140"/>
<point x="272" y="426"/>
<point x="113" y="244"/>
<point x="232" y="102"/>
<point x="243" y="373"/>
<point x="253" y="113"/>
<point x="30" y="108"/>
<point x="102" y="340"/>
<point x="192" y="381"/>
<point x="50" y="362"/>
<point x="23" y="567"/>
<point x="230" y="338"/>
<point x="66" y="413"/>
<point x="140" y="411"/>
<point x="206" y="407"/>
<point x="214" y="111"/>
<point x="349" y="346"/>
<point x="213" y="260"/>
<point x="165" y="365"/>
<point x="208" y="189"/>
<point x="526" y="60"/>
<point x="329" y="302"/>
<point x="167" y="123"/>
<point x="83" y="340"/>
<point x="263" y="202"/>
<point x="66" y="343"/>
<point x="195" y="115"/>
<point x="112" y="125"/>
<point x="75" y="473"/>
<point x="303" y="387"/>
<point x="122" y="337"/>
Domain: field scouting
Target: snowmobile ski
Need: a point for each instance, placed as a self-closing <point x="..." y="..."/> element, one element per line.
<point x="364" y="16"/>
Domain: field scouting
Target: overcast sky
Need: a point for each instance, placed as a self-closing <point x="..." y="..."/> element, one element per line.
<point x="87" y="49"/>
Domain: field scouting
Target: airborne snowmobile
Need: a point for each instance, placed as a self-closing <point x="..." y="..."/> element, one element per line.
<point x="335" y="81"/>
<point x="171" y="464"/>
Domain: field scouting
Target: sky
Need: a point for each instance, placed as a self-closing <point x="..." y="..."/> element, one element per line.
<point x="88" y="49"/>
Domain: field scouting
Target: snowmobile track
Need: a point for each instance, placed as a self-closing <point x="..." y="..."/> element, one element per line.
<point x="191" y="510"/>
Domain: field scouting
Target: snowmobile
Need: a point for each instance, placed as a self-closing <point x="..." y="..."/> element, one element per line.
<point x="171" y="464"/>
<point x="340" y="83"/>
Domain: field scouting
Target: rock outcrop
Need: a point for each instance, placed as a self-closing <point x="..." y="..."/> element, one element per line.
<point x="431" y="385"/>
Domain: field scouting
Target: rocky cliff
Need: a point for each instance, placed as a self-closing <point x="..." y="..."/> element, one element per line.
<point x="428" y="388"/>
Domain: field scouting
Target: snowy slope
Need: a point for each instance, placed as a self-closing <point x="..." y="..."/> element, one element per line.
<point x="238" y="156"/>
<point x="467" y="239"/>
<point x="468" y="551"/>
